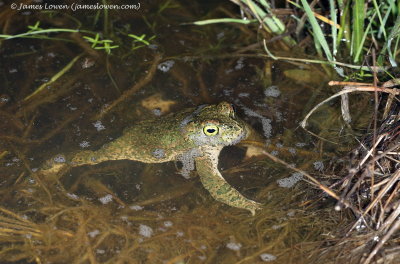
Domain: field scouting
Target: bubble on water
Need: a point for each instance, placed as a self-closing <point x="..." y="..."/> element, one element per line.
<point x="239" y="64"/>
<point x="272" y="91"/>
<point x="274" y="153"/>
<point x="87" y="63"/>
<point x="145" y="230"/>
<point x="267" y="127"/>
<point x="152" y="46"/>
<point x="360" y="225"/>
<point x="227" y="92"/>
<point x="265" y="122"/>
<point x="220" y="35"/>
<point x="234" y="246"/>
<point x="166" y="65"/>
<point x="72" y="107"/>
<point x="73" y="196"/>
<point x="267" y="257"/>
<point x="168" y="224"/>
<point x="94" y="233"/>
<point x="84" y="144"/>
<point x="243" y="94"/>
<point x="106" y="199"/>
<point x="157" y="112"/>
<point x="290" y="181"/>
<point x="4" y="98"/>
<point x="279" y="116"/>
<point x="98" y="125"/>
<point x="100" y="251"/>
<point x="318" y="165"/>
<point x="276" y="227"/>
<point x="136" y="207"/>
<point x="291" y="213"/>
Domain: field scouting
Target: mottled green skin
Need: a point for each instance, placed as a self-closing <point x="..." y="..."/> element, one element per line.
<point x="213" y="181"/>
<point x="178" y="136"/>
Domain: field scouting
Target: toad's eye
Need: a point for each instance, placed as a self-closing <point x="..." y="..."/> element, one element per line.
<point x="210" y="130"/>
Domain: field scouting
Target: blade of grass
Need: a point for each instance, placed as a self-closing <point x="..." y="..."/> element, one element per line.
<point x="44" y="31"/>
<point x="276" y="20"/>
<point x="361" y="44"/>
<point x="358" y="26"/>
<point x="333" y="27"/>
<point x="395" y="32"/>
<point x="223" y="20"/>
<point x="318" y="35"/>
<point x="55" y="77"/>
<point x="262" y="11"/>
<point x="262" y="16"/>
<point x="344" y="25"/>
<point x="381" y="22"/>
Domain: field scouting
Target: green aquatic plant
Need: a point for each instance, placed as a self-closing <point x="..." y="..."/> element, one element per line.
<point x="140" y="41"/>
<point x="319" y="38"/>
<point x="101" y="44"/>
<point x="97" y="43"/>
<point x="36" y="32"/>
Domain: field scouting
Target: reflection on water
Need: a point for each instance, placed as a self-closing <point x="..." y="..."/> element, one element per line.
<point x="128" y="212"/>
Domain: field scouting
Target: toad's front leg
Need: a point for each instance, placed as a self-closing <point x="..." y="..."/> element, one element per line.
<point x="213" y="181"/>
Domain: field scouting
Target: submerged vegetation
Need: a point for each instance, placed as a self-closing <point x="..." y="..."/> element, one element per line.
<point x="87" y="75"/>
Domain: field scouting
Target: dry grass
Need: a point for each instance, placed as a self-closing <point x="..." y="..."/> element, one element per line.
<point x="369" y="186"/>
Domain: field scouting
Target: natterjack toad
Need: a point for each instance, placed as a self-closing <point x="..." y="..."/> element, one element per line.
<point x="194" y="136"/>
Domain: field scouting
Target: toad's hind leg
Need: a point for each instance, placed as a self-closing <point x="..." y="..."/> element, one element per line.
<point x="219" y="189"/>
<point x="115" y="150"/>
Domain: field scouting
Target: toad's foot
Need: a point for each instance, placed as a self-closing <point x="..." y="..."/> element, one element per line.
<point x="54" y="166"/>
<point x="58" y="164"/>
<point x="216" y="184"/>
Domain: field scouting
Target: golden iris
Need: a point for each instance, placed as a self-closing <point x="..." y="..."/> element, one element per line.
<point x="210" y="130"/>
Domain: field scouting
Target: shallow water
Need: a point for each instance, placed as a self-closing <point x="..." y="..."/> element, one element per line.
<point x="129" y="212"/>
